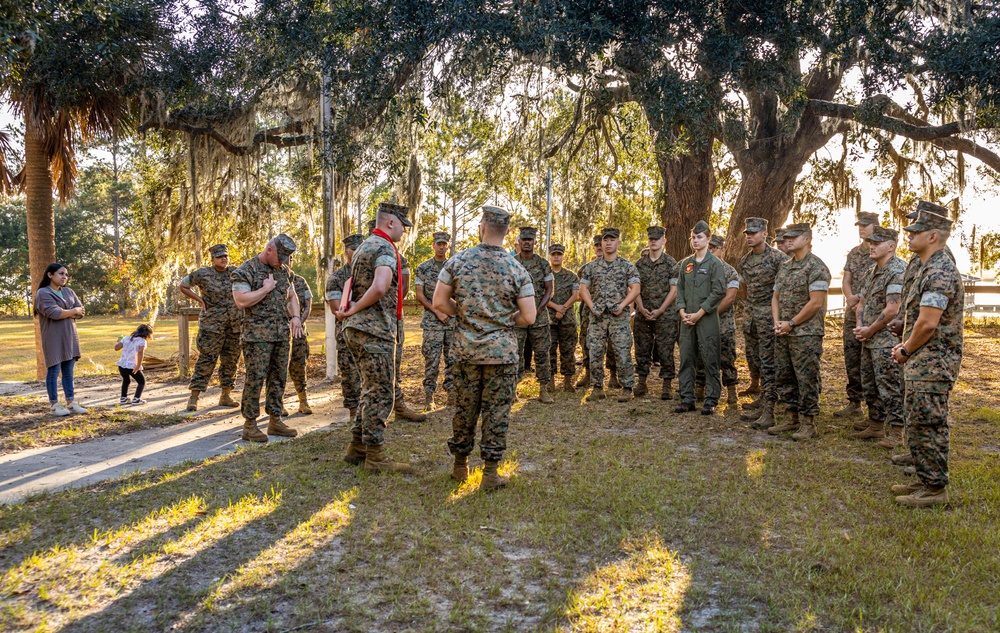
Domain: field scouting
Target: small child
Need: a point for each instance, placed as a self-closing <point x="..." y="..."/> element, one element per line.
<point x="133" y="348"/>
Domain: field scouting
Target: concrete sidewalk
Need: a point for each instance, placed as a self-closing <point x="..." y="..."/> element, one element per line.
<point x="57" y="467"/>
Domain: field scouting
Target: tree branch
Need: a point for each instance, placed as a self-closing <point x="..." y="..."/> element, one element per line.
<point x="277" y="136"/>
<point x="875" y="118"/>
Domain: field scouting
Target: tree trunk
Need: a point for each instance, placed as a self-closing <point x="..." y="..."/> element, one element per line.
<point x="40" y="218"/>
<point x="688" y="187"/>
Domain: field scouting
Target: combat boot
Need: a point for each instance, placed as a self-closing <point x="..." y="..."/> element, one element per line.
<point x="926" y="497"/>
<point x="902" y="460"/>
<point x="756" y="403"/>
<point x="791" y="425"/>
<point x="192" y="404"/>
<point x="460" y="471"/>
<point x="276" y="427"/>
<point x="304" y="407"/>
<point x="613" y="382"/>
<point x="666" y="393"/>
<point x="492" y="480"/>
<point x="251" y="433"/>
<point x="893" y="437"/>
<point x="627" y="394"/>
<point x="597" y="394"/>
<point x="765" y="420"/>
<point x="404" y="412"/>
<point x="377" y="461"/>
<point x="753" y="389"/>
<point x="852" y="409"/>
<point x="584" y="381"/>
<point x="699" y="392"/>
<point x="428" y="401"/>
<point x="731" y="398"/>
<point x="873" y="431"/>
<point x="226" y="399"/>
<point x="906" y="489"/>
<point x="807" y="430"/>
<point x="640" y="387"/>
<point x="860" y="424"/>
<point x="568" y="384"/>
<point x="543" y="394"/>
<point x="356" y="451"/>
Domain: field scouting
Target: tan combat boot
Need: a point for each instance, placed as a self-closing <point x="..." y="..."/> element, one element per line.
<point x="926" y="497"/>
<point x="226" y="399"/>
<point x="568" y="384"/>
<point x="613" y="382"/>
<point x="873" y="431"/>
<point x="906" y="489"/>
<point x="893" y="437"/>
<point x="904" y="459"/>
<point x="807" y="430"/>
<point x="356" y="451"/>
<point x="584" y="381"/>
<point x="860" y="424"/>
<point x="641" y="388"/>
<point x="753" y="389"/>
<point x="460" y="471"/>
<point x="304" y="407"/>
<point x="377" y="461"/>
<point x="731" y="398"/>
<point x="543" y="394"/>
<point x="492" y="480"/>
<point x="766" y="418"/>
<point x="627" y="394"/>
<point x="699" y="392"/>
<point x="251" y="433"/>
<point x="276" y="427"/>
<point x="852" y="409"/>
<point x="666" y="393"/>
<point x="596" y="395"/>
<point x="404" y="412"/>
<point x="791" y="425"/>
<point x="192" y="404"/>
<point x="428" y="401"/>
<point x="756" y="403"/>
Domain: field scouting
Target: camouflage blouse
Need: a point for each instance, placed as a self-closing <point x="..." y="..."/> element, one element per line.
<point x="794" y="282"/>
<point x="378" y="319"/>
<point x="305" y="296"/>
<point x="937" y="284"/>
<point x="608" y="282"/>
<point x="216" y="288"/>
<point x="727" y="319"/>
<point x="566" y="283"/>
<point x="758" y="273"/>
<point x="656" y="278"/>
<point x="881" y="283"/>
<point x="266" y="320"/>
<point x="425" y="282"/>
<point x="335" y="292"/>
<point x="540" y="272"/>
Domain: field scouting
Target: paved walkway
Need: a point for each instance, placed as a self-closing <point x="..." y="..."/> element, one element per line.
<point x="57" y="467"/>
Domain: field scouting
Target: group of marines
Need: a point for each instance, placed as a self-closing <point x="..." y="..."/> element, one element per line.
<point x="484" y="306"/>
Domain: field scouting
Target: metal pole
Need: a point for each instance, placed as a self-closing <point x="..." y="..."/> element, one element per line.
<point x="328" y="224"/>
<point x="548" y="211"/>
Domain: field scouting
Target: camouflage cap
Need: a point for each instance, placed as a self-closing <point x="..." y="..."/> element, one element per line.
<point x="779" y="235"/>
<point x="755" y="225"/>
<point x="610" y="232"/>
<point x="770" y="240"/>
<point x="353" y="241"/>
<point x="598" y="239"/>
<point x="397" y="210"/>
<point x="285" y="247"/>
<point x="884" y="234"/>
<point x="557" y="249"/>
<point x="527" y="233"/>
<point x="655" y="232"/>
<point x="930" y="206"/>
<point x="797" y="229"/>
<point x="927" y="220"/>
<point x="371" y="225"/>
<point x="717" y="241"/>
<point x="219" y="250"/>
<point x="442" y="236"/>
<point x="701" y="226"/>
<point x="496" y="215"/>
<point x="865" y="218"/>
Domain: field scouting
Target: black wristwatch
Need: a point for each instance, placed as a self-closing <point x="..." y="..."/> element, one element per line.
<point x="791" y="323"/>
<point x="902" y="350"/>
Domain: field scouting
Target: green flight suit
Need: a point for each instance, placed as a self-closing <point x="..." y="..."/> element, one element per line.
<point x="700" y="285"/>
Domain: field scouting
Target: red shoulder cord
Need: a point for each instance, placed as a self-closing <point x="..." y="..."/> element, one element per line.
<point x="399" y="273"/>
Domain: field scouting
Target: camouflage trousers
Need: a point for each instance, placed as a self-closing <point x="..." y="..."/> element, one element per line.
<point x="487" y="392"/>
<point x="563" y="348"/>
<point x="221" y="347"/>
<point x="611" y="335"/>
<point x="377" y="367"/>
<point x="883" y="385"/>
<point x="727" y="361"/>
<point x="659" y="336"/>
<point x="266" y="362"/>
<point x="350" y="378"/>
<point x="585" y="316"/>
<point x="796" y="362"/>
<point x="398" y="358"/>
<point x="541" y="342"/>
<point x="759" y="339"/>
<point x="927" y="431"/>
<point x="852" y="358"/>
<point x="438" y="343"/>
<point x="750" y="351"/>
<point x="297" y="362"/>
<point x="700" y="342"/>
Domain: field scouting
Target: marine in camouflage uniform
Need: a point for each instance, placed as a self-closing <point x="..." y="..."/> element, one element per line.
<point x="299" y="356"/>
<point x="265" y="336"/>
<point x="856" y="271"/>
<point x="538" y="333"/>
<point x="482" y="286"/>
<point x="563" y="329"/>
<point x="438" y="335"/>
<point x="799" y="345"/>
<point x="371" y="334"/>
<point x="218" y="327"/>
<point x="879" y="372"/>
<point x="585" y="378"/>
<point x="727" y="325"/>
<point x="608" y="286"/>
<point x="658" y="289"/>
<point x="350" y="378"/>
<point x="758" y="268"/>
<point x="931" y="356"/>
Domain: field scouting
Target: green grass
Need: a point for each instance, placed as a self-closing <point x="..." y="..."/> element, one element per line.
<point x="620" y="517"/>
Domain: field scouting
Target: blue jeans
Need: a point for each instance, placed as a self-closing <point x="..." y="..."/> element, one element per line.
<point x="67" y="380"/>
